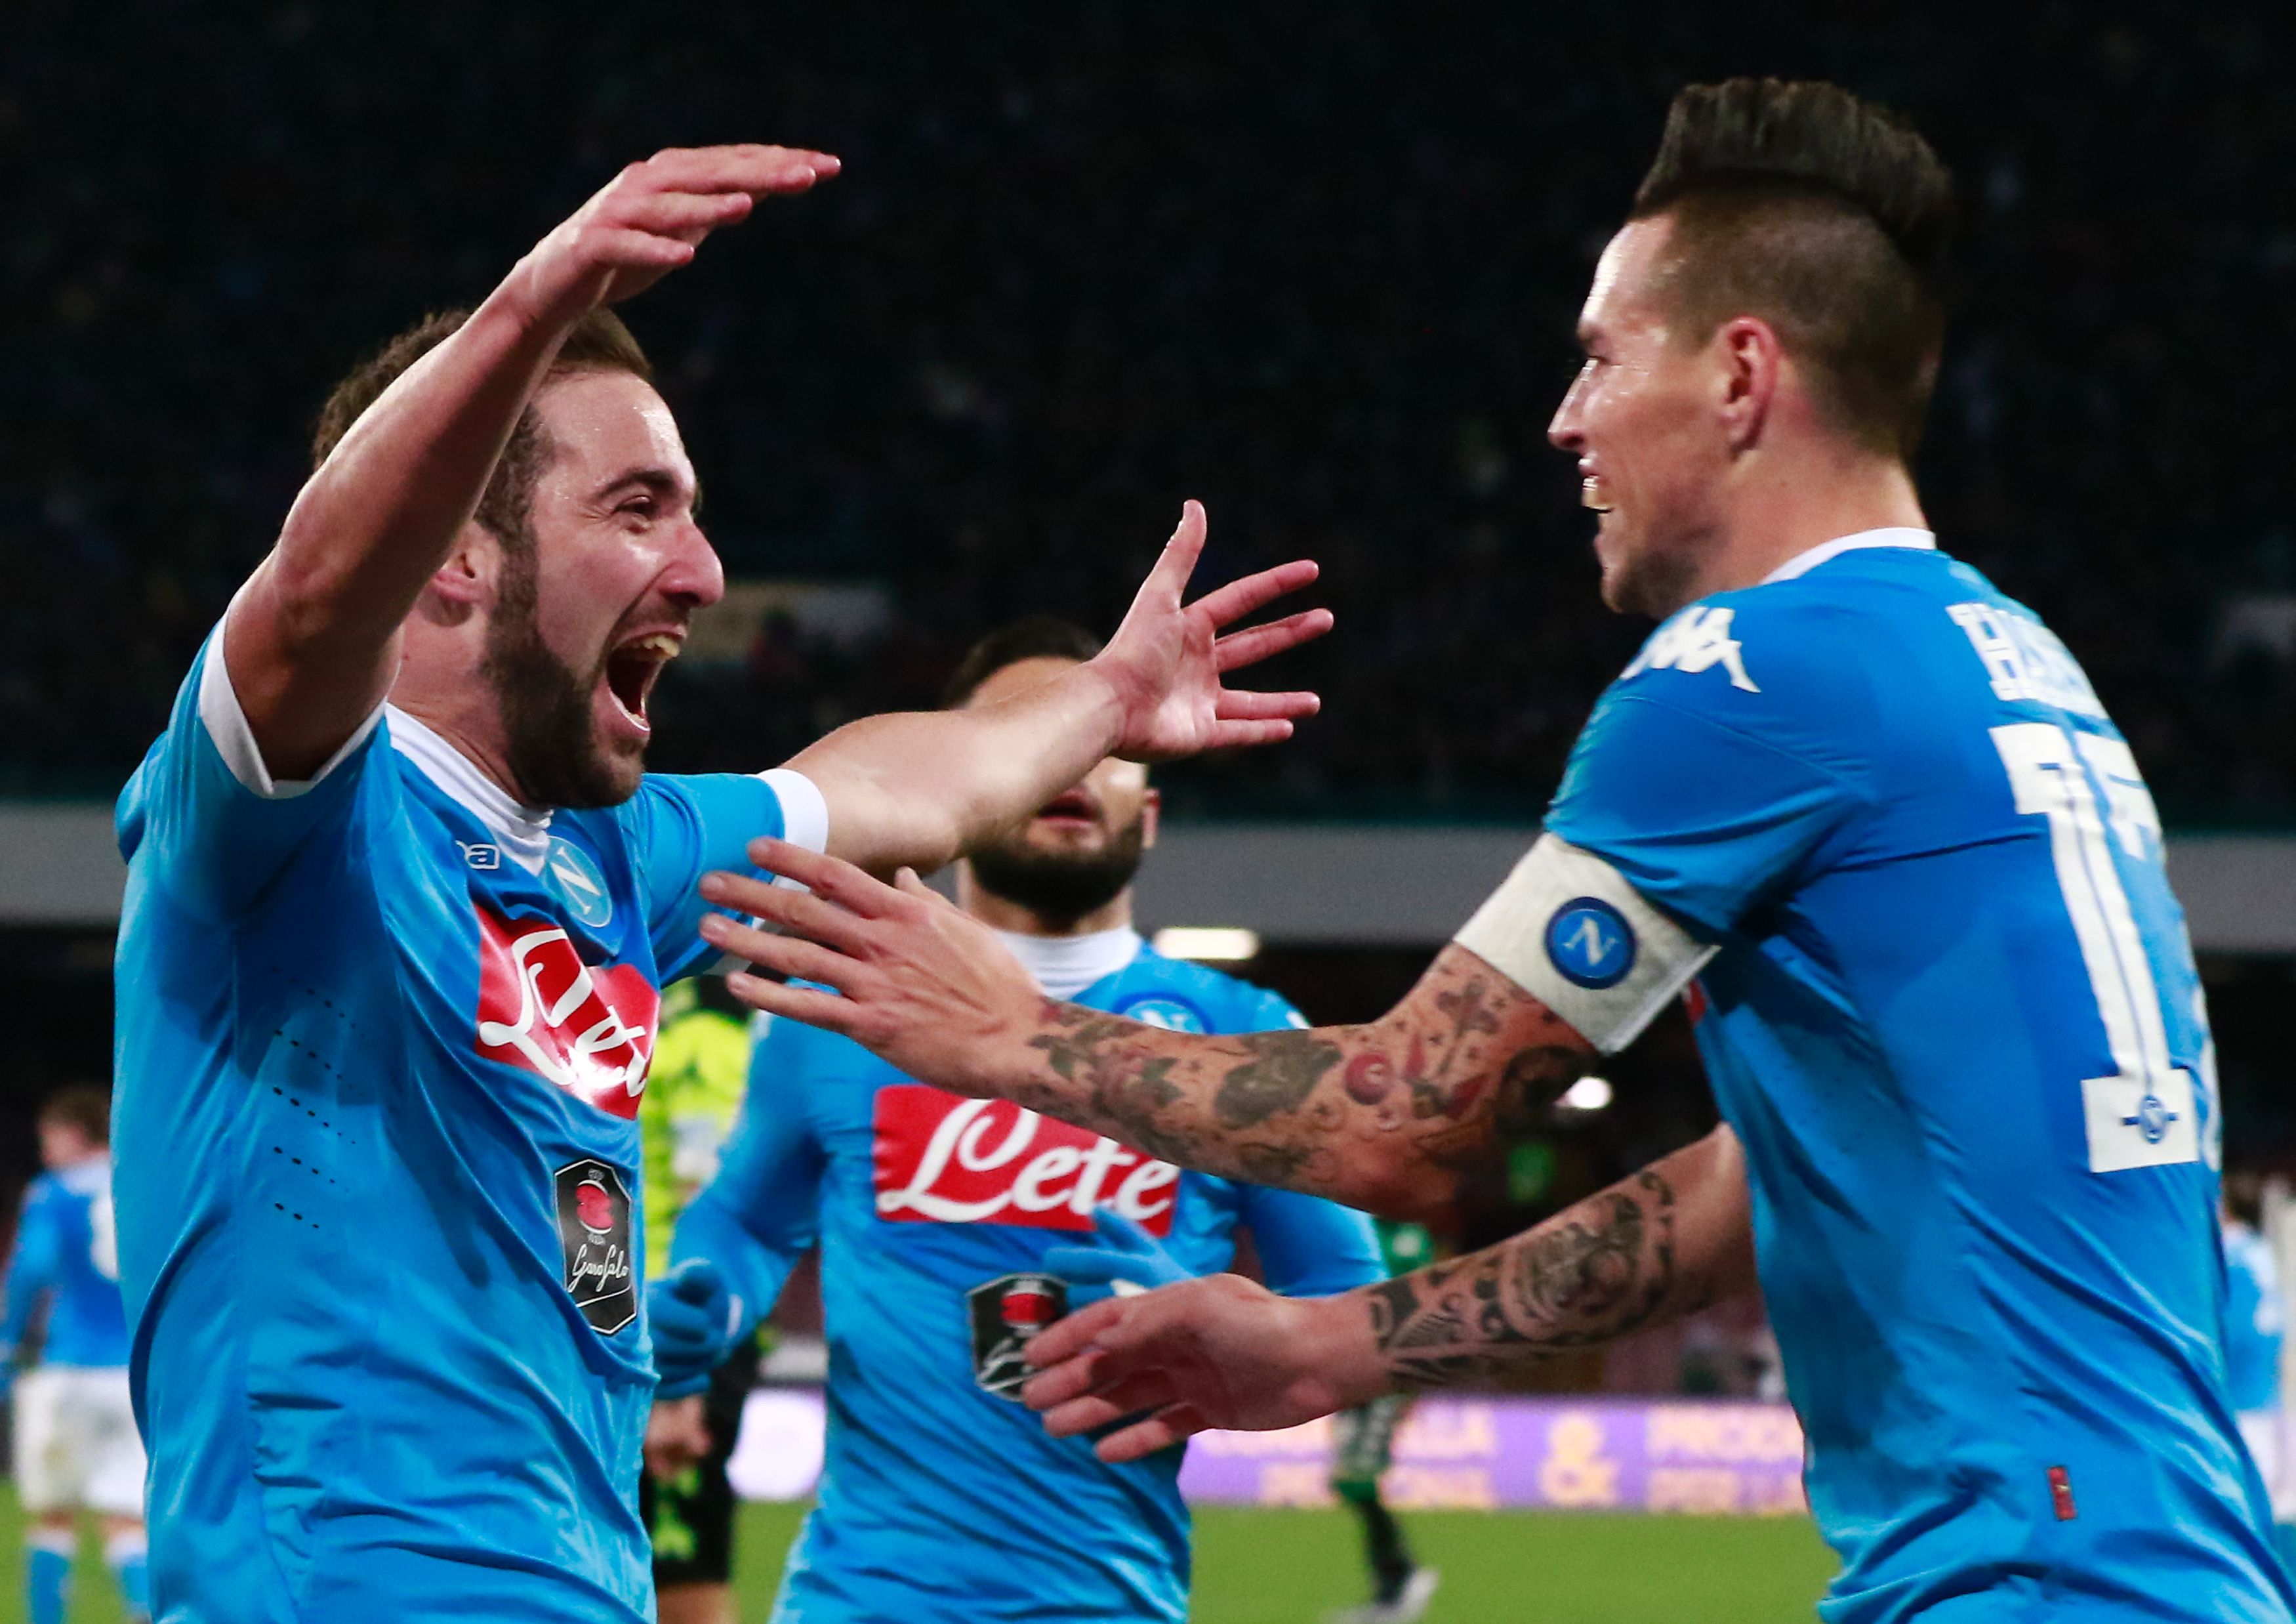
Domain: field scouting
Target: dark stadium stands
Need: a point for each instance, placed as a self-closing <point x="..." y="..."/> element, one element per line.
<point x="1314" y="264"/>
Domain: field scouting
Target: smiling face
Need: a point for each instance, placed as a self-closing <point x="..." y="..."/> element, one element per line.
<point x="594" y="598"/>
<point x="1639" y="417"/>
<point x="1081" y="849"/>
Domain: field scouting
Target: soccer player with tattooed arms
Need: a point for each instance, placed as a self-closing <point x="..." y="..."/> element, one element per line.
<point x="401" y="900"/>
<point x="1868" y="813"/>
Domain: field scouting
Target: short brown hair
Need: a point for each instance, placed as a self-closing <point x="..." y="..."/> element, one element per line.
<point x="1824" y="216"/>
<point x="1030" y="638"/>
<point x="599" y="343"/>
<point x="84" y="1106"/>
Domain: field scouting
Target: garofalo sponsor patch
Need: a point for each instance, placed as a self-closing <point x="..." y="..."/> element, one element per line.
<point x="594" y="1228"/>
<point x="1005" y="1313"/>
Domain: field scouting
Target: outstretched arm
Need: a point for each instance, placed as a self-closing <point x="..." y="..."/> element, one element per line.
<point x="1387" y="1116"/>
<point x="1222" y="1352"/>
<point x="312" y="641"/>
<point x="921" y="789"/>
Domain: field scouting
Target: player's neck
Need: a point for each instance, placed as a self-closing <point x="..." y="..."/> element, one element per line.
<point x="1783" y="511"/>
<point x="469" y="726"/>
<point x="1003" y="913"/>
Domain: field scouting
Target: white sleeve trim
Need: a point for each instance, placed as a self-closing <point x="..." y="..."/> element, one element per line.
<point x="1571" y="931"/>
<point x="805" y="813"/>
<point x="234" y="739"/>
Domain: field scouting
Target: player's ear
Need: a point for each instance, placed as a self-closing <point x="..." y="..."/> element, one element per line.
<point x="1151" y="807"/>
<point x="1748" y="362"/>
<point x="467" y="580"/>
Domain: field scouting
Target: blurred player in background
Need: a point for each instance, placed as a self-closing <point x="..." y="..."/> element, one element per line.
<point x="75" y="1428"/>
<point x="400" y="902"/>
<point x="692" y="1096"/>
<point x="952" y="1230"/>
<point x="1363" y="1447"/>
<point x="2256" y="1323"/>
<point x="1868" y="811"/>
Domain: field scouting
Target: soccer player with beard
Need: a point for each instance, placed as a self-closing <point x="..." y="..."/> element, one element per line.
<point x="1868" y="813"/>
<point x="400" y="901"/>
<point x="950" y="1230"/>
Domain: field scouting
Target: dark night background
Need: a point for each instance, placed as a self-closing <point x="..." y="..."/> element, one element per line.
<point x="1316" y="265"/>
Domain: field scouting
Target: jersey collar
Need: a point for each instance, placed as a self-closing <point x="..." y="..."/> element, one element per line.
<point x="1891" y="535"/>
<point x="523" y="831"/>
<point x="1065" y="965"/>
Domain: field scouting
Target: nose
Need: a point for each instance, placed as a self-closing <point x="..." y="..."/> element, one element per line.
<point x="1567" y="431"/>
<point x="694" y="579"/>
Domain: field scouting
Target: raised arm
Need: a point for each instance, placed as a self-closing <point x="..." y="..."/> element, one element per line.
<point x="312" y="641"/>
<point x="1222" y="1352"/>
<point x="1387" y="1116"/>
<point x="921" y="789"/>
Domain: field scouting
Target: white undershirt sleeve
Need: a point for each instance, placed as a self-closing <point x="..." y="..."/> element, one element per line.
<point x="234" y="739"/>
<point x="1570" y="930"/>
<point x="805" y="812"/>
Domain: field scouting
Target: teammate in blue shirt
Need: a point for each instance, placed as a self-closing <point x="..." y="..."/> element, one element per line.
<point x="400" y="902"/>
<point x="75" y="1429"/>
<point x="951" y="1229"/>
<point x="1868" y="813"/>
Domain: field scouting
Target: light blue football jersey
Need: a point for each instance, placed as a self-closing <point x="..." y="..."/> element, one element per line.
<point x="67" y="1256"/>
<point x="378" y="1052"/>
<point x="2256" y="1320"/>
<point x="1954" y="1019"/>
<point x="943" y="1501"/>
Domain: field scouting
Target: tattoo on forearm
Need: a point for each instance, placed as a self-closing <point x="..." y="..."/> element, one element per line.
<point x="1282" y="1073"/>
<point x="1591" y="1275"/>
<point x="1442" y="1090"/>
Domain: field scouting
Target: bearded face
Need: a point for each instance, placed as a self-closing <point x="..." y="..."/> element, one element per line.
<point x="552" y="741"/>
<point x="1065" y="862"/>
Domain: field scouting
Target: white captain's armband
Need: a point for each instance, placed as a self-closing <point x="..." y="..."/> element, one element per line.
<point x="1568" y="929"/>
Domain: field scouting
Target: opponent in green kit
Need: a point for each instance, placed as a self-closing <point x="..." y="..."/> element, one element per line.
<point x="693" y="1094"/>
<point x="1363" y="1443"/>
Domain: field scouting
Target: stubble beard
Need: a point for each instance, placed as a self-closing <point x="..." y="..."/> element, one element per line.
<point x="1653" y="581"/>
<point x="550" y="736"/>
<point x="1062" y="886"/>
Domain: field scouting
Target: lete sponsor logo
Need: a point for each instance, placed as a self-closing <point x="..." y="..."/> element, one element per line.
<point x="541" y="1008"/>
<point x="942" y="1159"/>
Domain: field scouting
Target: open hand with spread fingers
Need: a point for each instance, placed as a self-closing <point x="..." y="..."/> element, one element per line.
<point x="1168" y="661"/>
<point x="1215" y="1352"/>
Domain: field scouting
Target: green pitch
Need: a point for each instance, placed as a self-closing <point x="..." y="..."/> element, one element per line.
<point x="1290" y="1566"/>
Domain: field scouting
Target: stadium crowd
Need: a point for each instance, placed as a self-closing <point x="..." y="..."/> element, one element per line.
<point x="1315" y="267"/>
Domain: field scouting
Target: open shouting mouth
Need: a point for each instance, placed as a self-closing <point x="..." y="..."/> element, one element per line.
<point x="631" y="669"/>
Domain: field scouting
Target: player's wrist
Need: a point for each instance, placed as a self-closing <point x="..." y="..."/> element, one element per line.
<point x="1339" y="1349"/>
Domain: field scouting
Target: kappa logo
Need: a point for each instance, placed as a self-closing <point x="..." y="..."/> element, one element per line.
<point x="578" y="884"/>
<point x="541" y="1009"/>
<point x="1698" y="639"/>
<point x="940" y="1159"/>
<point x="1591" y="943"/>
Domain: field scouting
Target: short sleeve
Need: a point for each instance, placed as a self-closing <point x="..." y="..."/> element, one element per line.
<point x="204" y="816"/>
<point x="1711" y="787"/>
<point x="683" y="826"/>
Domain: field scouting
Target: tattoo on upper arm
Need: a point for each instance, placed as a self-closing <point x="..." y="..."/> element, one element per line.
<point x="1598" y="1271"/>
